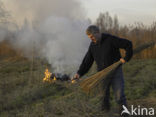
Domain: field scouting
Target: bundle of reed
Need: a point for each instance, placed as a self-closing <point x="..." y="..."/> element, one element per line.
<point x="99" y="81"/>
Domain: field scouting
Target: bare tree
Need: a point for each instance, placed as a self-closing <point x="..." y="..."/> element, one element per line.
<point x="107" y="24"/>
<point x="4" y="15"/>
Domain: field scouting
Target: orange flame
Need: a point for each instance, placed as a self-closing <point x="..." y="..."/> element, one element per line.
<point x="47" y="77"/>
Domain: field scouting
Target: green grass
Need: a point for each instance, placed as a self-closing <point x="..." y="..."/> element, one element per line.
<point x="22" y="93"/>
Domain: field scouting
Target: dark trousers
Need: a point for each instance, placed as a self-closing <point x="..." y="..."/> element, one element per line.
<point x="117" y="83"/>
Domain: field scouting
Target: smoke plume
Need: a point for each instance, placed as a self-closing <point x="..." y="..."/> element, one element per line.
<point x="55" y="28"/>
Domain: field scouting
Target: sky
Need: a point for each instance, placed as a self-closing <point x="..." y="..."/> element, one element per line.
<point x="128" y="11"/>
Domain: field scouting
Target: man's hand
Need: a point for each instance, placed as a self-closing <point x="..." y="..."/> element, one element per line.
<point x="122" y="60"/>
<point x="76" y="76"/>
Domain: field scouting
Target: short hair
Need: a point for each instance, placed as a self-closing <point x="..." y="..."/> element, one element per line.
<point x="92" y="29"/>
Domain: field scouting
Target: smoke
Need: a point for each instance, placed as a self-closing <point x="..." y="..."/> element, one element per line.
<point x="56" y="29"/>
<point x="4" y="22"/>
<point x="65" y="44"/>
<point x="39" y="10"/>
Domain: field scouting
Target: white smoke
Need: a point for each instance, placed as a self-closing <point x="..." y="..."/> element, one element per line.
<point x="55" y="28"/>
<point x="65" y="43"/>
<point x="39" y="10"/>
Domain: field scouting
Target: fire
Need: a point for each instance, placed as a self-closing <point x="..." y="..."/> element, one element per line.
<point x="47" y="77"/>
<point x="73" y="81"/>
<point x="51" y="77"/>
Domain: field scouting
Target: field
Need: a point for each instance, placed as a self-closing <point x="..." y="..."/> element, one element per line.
<point x="23" y="94"/>
<point x="35" y="35"/>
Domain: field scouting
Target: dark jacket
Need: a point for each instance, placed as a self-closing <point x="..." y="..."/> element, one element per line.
<point x="105" y="53"/>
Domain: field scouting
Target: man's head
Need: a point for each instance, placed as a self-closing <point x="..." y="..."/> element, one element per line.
<point x="93" y="33"/>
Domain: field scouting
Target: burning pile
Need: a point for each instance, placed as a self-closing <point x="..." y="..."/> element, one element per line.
<point x="51" y="77"/>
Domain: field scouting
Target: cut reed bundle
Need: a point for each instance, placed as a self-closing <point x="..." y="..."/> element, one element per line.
<point x="95" y="82"/>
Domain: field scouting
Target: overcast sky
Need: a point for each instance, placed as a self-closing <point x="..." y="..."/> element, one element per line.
<point x="128" y="11"/>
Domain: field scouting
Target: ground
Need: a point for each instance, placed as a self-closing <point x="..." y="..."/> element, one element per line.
<point x="23" y="94"/>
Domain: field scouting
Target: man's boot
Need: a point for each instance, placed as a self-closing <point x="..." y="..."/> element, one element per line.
<point x="105" y="106"/>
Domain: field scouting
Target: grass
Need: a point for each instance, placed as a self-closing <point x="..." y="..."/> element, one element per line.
<point x="24" y="95"/>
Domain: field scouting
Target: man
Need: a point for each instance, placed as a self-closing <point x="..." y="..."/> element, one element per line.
<point x="104" y="50"/>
